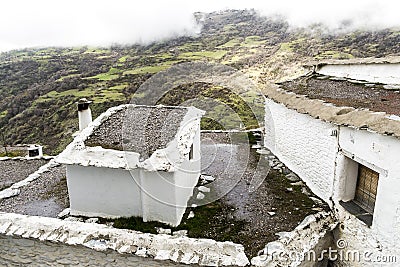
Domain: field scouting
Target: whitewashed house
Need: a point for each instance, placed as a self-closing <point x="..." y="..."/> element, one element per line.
<point x="338" y="128"/>
<point x="134" y="161"/>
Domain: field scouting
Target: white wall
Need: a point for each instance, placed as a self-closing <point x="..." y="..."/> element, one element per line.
<point x="382" y="154"/>
<point x="103" y="191"/>
<point x="383" y="73"/>
<point x="304" y="144"/>
<point x="329" y="167"/>
<point x="153" y="195"/>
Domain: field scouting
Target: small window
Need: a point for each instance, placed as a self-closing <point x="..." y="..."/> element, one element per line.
<point x="363" y="203"/>
<point x="33" y="152"/>
<point x="191" y="153"/>
<point x="367" y="185"/>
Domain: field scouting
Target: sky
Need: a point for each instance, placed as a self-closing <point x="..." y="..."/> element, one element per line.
<point x="40" y="23"/>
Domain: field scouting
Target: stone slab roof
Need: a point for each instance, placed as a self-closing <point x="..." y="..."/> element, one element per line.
<point x="141" y="129"/>
<point x="342" y="102"/>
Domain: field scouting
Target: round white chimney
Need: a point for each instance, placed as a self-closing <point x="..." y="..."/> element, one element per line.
<point x="84" y="113"/>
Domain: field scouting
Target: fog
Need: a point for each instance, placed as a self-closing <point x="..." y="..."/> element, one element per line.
<point x="39" y="23"/>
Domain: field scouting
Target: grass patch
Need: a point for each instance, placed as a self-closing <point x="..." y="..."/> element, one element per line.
<point x="54" y="94"/>
<point x="203" y="54"/>
<point x="210" y="221"/>
<point x="107" y="96"/>
<point x="190" y="47"/>
<point x="290" y="46"/>
<point x="104" y="77"/>
<point x="119" y="86"/>
<point x="3" y="113"/>
<point x="147" y="69"/>
<point x="232" y="43"/>
<point x="67" y="77"/>
<point x="122" y="59"/>
<point x="13" y="153"/>
<point x="251" y="41"/>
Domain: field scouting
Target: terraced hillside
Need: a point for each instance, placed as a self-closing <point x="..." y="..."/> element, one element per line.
<point x="39" y="87"/>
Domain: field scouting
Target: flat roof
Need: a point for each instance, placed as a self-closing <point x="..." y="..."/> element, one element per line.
<point x="340" y="101"/>
<point x="140" y="129"/>
<point x="344" y="92"/>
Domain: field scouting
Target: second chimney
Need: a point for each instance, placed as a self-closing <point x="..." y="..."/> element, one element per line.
<point x="84" y="113"/>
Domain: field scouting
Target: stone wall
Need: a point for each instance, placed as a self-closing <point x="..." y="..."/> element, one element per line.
<point x="102" y="238"/>
<point x="27" y="252"/>
<point x="301" y="247"/>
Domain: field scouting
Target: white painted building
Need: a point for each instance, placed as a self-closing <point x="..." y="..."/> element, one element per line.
<point x="342" y="137"/>
<point x="135" y="161"/>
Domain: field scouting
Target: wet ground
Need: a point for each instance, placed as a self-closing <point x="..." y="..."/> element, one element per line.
<point x="255" y="201"/>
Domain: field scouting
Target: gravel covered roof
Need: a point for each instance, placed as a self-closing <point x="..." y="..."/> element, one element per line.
<point x="45" y="196"/>
<point x="347" y="92"/>
<point x="305" y="95"/>
<point x="15" y="170"/>
<point x="141" y="129"/>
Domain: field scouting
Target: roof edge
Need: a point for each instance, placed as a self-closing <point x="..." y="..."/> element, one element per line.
<point x="379" y="122"/>
<point x="354" y="61"/>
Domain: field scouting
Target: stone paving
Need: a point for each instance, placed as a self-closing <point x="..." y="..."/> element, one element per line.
<point x="28" y="252"/>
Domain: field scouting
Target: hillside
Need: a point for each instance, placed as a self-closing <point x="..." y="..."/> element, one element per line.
<point x="39" y="87"/>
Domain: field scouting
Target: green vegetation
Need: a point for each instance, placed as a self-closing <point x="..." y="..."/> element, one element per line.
<point x="147" y="69"/>
<point x="232" y="43"/>
<point x="220" y="227"/>
<point x="122" y="59"/>
<point x="40" y="86"/>
<point x="68" y="77"/>
<point x="13" y="153"/>
<point x="203" y="55"/>
<point x="112" y="74"/>
<point x="3" y="114"/>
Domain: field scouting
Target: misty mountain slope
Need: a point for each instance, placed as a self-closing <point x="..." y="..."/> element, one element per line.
<point x="39" y="87"/>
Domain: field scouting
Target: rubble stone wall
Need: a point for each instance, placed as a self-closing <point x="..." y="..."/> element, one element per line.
<point x="102" y="238"/>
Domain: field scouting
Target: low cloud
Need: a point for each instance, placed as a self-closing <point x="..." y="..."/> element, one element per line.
<point x="25" y="23"/>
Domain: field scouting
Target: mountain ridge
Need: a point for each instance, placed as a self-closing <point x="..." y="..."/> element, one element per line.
<point x="40" y="86"/>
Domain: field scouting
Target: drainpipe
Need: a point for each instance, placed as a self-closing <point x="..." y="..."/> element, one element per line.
<point x="84" y="113"/>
